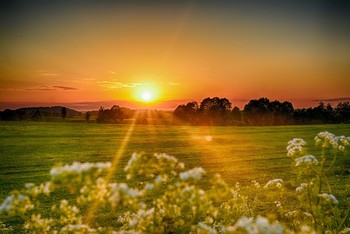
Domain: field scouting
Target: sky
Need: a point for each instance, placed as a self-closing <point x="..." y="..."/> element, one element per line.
<point x="84" y="54"/>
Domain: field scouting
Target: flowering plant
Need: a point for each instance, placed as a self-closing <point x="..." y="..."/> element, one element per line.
<point x="159" y="195"/>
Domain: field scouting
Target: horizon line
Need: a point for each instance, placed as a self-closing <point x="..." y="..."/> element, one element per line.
<point x="160" y="105"/>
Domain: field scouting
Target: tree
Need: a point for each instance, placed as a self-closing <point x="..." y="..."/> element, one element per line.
<point x="87" y="116"/>
<point x="215" y="111"/>
<point x="113" y="115"/>
<point x="342" y="112"/>
<point x="258" y="112"/>
<point x="63" y="113"/>
<point x="37" y="115"/>
<point x="186" y="114"/>
<point x="236" y="114"/>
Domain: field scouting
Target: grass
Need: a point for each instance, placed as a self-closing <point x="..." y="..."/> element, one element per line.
<point x="29" y="149"/>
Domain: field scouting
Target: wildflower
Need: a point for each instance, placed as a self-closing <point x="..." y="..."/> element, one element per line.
<point x="77" y="168"/>
<point x="77" y="228"/>
<point x="295" y="147"/>
<point x="301" y="187"/>
<point x="149" y="186"/>
<point x="341" y="148"/>
<point x="134" y="158"/>
<point x="329" y="140"/>
<point x="278" y="204"/>
<point x="256" y="184"/>
<point x="329" y="198"/>
<point x="158" y="179"/>
<point x="307" y="214"/>
<point x="166" y="157"/>
<point x="307" y="159"/>
<point x="7" y="204"/>
<point x="259" y="225"/>
<point x="290" y="213"/>
<point x="276" y="182"/>
<point x="207" y="229"/>
<point x="345" y="231"/>
<point x="195" y="173"/>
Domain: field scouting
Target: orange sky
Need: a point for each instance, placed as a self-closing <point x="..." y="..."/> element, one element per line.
<point x="55" y="52"/>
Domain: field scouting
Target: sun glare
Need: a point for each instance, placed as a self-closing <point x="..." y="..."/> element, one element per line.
<point x="146" y="96"/>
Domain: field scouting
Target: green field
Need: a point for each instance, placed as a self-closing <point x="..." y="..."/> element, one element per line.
<point x="29" y="149"/>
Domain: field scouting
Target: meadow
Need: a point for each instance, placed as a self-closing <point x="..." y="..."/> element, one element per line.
<point x="239" y="154"/>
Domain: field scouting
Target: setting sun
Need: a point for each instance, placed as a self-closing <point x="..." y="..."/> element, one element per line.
<point x="146" y="96"/>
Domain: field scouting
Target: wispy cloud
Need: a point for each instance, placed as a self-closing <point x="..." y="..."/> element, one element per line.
<point x="118" y="85"/>
<point x="64" y="87"/>
<point x="50" y="88"/>
<point x="46" y="73"/>
<point x="49" y="74"/>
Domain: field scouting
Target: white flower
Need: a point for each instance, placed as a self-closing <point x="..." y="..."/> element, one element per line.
<point x="278" y="204"/>
<point x="6" y="205"/>
<point x="301" y="187"/>
<point x="345" y="231"/>
<point x="307" y="214"/>
<point x="256" y="184"/>
<point x="295" y="147"/>
<point x="149" y="186"/>
<point x="290" y="213"/>
<point x="341" y="148"/>
<point x="158" y="179"/>
<point x="78" y="167"/>
<point x="307" y="159"/>
<point x="329" y="198"/>
<point x="259" y="225"/>
<point x="166" y="157"/>
<point x="207" y="229"/>
<point x="77" y="228"/>
<point x="329" y="140"/>
<point x="276" y="182"/>
<point x="134" y="158"/>
<point x="195" y="173"/>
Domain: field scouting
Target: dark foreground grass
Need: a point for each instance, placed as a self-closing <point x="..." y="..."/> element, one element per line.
<point x="29" y="149"/>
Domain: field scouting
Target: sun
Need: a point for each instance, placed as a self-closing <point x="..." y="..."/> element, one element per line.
<point x="146" y="96"/>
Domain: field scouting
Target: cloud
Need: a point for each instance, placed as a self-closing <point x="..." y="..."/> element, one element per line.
<point x="49" y="74"/>
<point x="118" y="85"/>
<point x="50" y="88"/>
<point x="64" y="87"/>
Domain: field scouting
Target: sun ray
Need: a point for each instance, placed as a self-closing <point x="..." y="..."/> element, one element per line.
<point x="115" y="163"/>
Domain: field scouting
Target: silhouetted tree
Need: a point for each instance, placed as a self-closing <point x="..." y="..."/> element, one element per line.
<point x="258" y="112"/>
<point x="87" y="116"/>
<point x="215" y="111"/>
<point x="186" y="114"/>
<point x="63" y="113"/>
<point x="236" y="114"/>
<point x="342" y="112"/>
<point x="9" y="115"/>
<point x="37" y="115"/>
<point x="113" y="115"/>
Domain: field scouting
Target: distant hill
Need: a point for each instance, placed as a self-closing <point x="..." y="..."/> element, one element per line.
<point x="37" y="113"/>
<point x="53" y="111"/>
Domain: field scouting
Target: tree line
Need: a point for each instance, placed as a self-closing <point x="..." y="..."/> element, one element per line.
<point x="38" y="113"/>
<point x="211" y="111"/>
<point x="219" y="111"/>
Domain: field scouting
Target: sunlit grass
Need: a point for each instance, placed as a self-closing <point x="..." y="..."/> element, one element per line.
<point x="28" y="149"/>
